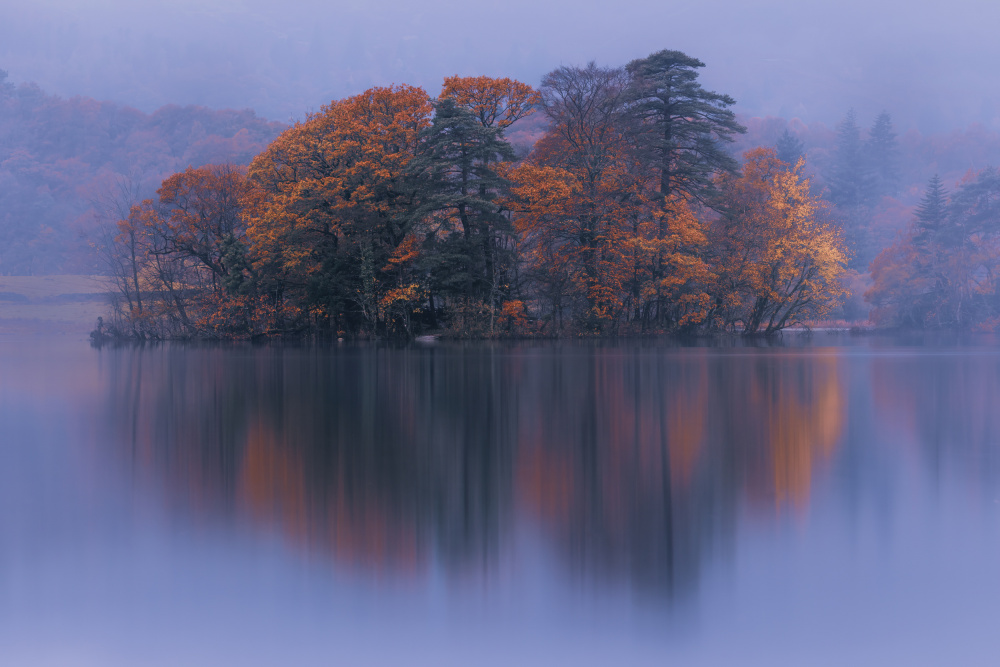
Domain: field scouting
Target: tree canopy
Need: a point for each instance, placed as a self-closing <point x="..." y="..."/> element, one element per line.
<point x="390" y="213"/>
<point x="685" y="126"/>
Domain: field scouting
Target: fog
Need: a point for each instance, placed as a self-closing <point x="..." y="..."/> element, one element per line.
<point x="931" y="67"/>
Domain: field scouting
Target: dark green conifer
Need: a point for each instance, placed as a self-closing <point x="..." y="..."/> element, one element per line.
<point x="931" y="213"/>
<point x="455" y="181"/>
<point x="790" y="148"/>
<point x="683" y="125"/>
<point x="6" y="87"/>
<point x="850" y="180"/>
<point x="883" y="156"/>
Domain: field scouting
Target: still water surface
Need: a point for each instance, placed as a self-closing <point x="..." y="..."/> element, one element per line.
<point x="824" y="503"/>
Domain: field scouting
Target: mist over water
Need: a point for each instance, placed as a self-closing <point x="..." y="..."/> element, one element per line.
<point x="931" y="66"/>
<point x="453" y="504"/>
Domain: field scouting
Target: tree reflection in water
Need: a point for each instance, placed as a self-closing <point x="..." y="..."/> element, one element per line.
<point x="632" y="461"/>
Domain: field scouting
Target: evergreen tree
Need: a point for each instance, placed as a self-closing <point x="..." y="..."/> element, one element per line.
<point x="943" y="274"/>
<point x="931" y="213"/>
<point x="685" y="126"/>
<point x="6" y="87"/>
<point x="456" y="186"/>
<point x="789" y="148"/>
<point x="974" y="211"/>
<point x="850" y="180"/>
<point x="883" y="156"/>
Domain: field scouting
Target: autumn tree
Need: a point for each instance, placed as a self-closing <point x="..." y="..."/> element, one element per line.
<point x="680" y="130"/>
<point x="203" y="218"/>
<point x="335" y="206"/>
<point x="680" y="275"/>
<point x="777" y="264"/>
<point x="623" y="246"/>
<point x="903" y="288"/>
<point x="200" y="223"/>
<point x="495" y="103"/>
<point x="179" y="261"/>
<point x="538" y="196"/>
<point x="174" y="279"/>
<point x="585" y="156"/>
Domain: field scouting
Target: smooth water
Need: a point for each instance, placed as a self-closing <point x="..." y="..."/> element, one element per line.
<point x="827" y="503"/>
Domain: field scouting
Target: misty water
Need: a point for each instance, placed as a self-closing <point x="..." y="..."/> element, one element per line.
<point x="822" y="501"/>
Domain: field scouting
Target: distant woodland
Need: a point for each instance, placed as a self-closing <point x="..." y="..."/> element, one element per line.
<point x="60" y="160"/>
<point x="604" y="201"/>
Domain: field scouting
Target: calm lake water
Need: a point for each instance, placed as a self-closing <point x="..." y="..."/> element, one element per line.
<point x="829" y="501"/>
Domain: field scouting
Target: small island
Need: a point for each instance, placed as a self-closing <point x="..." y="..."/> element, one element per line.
<point x="394" y="214"/>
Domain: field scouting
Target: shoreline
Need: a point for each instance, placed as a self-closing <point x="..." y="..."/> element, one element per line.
<point x="55" y="306"/>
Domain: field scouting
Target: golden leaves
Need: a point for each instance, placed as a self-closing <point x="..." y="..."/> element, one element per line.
<point x="495" y="102"/>
<point x="335" y="181"/>
<point x="780" y="263"/>
<point x="404" y="254"/>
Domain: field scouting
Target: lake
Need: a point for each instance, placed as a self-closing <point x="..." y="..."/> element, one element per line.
<point x="821" y="500"/>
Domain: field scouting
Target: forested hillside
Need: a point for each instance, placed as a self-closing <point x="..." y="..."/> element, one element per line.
<point x="59" y="157"/>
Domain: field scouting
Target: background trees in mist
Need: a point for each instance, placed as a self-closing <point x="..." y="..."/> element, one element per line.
<point x="58" y="156"/>
<point x="942" y="271"/>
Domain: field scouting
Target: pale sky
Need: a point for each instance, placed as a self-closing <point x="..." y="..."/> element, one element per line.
<point x="932" y="65"/>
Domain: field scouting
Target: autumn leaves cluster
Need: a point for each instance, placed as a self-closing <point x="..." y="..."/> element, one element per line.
<point x="391" y="213"/>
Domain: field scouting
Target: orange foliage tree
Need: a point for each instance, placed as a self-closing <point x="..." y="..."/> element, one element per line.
<point x="777" y="263"/>
<point x="584" y="234"/>
<point x="333" y="207"/>
<point x="494" y="102"/>
<point x="181" y="260"/>
<point x="203" y="219"/>
<point x="601" y="241"/>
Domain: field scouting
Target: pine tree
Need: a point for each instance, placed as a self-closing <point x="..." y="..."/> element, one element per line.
<point x="931" y="213"/>
<point x="789" y="148"/>
<point x="686" y="125"/>
<point x="454" y="178"/>
<point x="851" y="180"/>
<point x="6" y="87"/>
<point x="974" y="211"/>
<point x="882" y="151"/>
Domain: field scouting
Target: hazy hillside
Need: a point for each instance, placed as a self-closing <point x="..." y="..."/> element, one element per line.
<point x="58" y="156"/>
